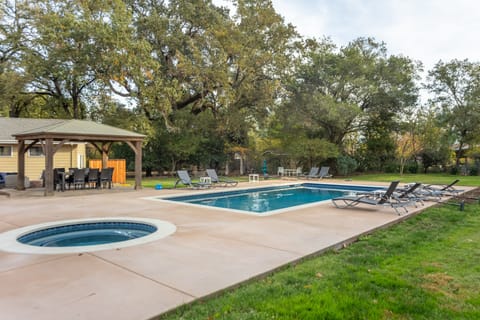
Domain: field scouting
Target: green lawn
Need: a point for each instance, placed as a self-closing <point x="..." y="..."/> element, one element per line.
<point x="436" y="178"/>
<point x="406" y="178"/>
<point x="427" y="267"/>
<point x="168" y="183"/>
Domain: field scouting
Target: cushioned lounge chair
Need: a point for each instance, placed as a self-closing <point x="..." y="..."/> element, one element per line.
<point x="184" y="178"/>
<point x="220" y="181"/>
<point x="386" y="198"/>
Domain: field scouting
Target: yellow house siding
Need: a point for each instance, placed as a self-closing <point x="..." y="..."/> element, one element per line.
<point x="9" y="164"/>
<point x="66" y="157"/>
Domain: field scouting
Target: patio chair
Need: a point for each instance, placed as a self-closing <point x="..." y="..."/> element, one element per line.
<point x="280" y="171"/>
<point x="312" y="174"/>
<point x="220" y="181"/>
<point x="386" y="198"/>
<point x="92" y="178"/>
<point x="323" y="173"/>
<point x="184" y="178"/>
<point x="105" y="179"/>
<point x="78" y="178"/>
<point x="299" y="171"/>
<point x="58" y="179"/>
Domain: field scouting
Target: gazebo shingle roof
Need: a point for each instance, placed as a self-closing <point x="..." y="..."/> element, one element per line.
<point x="72" y="128"/>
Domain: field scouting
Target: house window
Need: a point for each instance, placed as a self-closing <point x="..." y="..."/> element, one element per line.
<point x="36" y="152"/>
<point x="6" y="151"/>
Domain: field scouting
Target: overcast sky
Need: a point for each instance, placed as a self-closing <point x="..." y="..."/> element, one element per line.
<point x="425" y="30"/>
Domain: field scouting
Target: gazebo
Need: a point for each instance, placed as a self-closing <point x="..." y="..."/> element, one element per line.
<point x="62" y="131"/>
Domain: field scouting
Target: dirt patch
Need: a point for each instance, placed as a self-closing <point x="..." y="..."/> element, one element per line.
<point x="441" y="283"/>
<point x="472" y="196"/>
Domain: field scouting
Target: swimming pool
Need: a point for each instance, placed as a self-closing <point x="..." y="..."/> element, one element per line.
<point x="271" y="200"/>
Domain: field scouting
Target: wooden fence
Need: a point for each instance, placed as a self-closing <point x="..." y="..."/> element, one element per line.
<point x="119" y="168"/>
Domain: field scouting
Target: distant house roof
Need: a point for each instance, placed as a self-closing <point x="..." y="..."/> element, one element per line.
<point x="76" y="130"/>
<point x="10" y="126"/>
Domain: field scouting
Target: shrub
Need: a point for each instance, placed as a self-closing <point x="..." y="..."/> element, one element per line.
<point x="346" y="165"/>
<point x="474" y="171"/>
<point x="411" y="167"/>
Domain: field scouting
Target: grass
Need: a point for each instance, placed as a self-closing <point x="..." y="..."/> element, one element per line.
<point x="431" y="178"/>
<point x="169" y="182"/>
<point x="426" y="267"/>
<point x="440" y="178"/>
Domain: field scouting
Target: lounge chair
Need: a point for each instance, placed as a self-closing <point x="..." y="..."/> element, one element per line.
<point x="442" y="190"/>
<point x="410" y="192"/>
<point x="220" y="181"/>
<point x="280" y="171"/>
<point x="386" y="198"/>
<point x="184" y="178"/>
<point x="312" y="174"/>
<point x="324" y="173"/>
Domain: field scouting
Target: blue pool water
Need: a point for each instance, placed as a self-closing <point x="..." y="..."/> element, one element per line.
<point x="87" y="234"/>
<point x="264" y="200"/>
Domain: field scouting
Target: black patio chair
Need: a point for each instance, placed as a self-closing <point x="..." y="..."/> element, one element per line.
<point x="92" y="178"/>
<point x="79" y="178"/>
<point x="58" y="179"/>
<point x="106" y="178"/>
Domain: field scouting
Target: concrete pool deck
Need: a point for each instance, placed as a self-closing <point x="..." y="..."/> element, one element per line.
<point x="211" y="250"/>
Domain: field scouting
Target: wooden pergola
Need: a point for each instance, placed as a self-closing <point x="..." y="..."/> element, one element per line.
<point x="54" y="136"/>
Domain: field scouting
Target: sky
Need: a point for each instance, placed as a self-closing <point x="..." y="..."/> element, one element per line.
<point x="424" y="30"/>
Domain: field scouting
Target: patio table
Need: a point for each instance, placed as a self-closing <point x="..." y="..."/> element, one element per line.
<point x="290" y="172"/>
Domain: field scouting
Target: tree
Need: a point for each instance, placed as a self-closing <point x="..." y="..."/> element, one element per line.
<point x="434" y="140"/>
<point x="13" y="28"/>
<point x="356" y="88"/>
<point x="456" y="86"/>
<point x="193" y="55"/>
<point x="68" y="42"/>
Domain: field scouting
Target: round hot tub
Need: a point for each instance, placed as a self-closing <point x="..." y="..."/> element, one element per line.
<point x="84" y="235"/>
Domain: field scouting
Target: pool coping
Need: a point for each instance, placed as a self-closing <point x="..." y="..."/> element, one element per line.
<point x="168" y="198"/>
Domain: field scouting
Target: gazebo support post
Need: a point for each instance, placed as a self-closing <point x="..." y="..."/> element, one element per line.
<point x="49" y="179"/>
<point x="21" y="165"/>
<point x="136" y="146"/>
<point x="105" y="149"/>
<point x="138" y="165"/>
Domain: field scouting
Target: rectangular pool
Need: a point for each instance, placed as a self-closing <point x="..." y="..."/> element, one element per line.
<point x="270" y="200"/>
